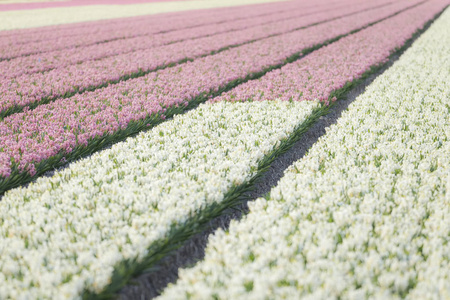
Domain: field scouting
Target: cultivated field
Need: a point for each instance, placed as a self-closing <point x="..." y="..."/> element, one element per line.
<point x="122" y="140"/>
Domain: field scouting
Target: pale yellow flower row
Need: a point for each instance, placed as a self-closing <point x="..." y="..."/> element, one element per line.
<point x="28" y="1"/>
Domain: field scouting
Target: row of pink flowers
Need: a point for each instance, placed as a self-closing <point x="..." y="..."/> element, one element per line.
<point x="91" y="27"/>
<point x="264" y="25"/>
<point x="62" y="37"/>
<point x="28" y="89"/>
<point x="319" y="74"/>
<point x="33" y="136"/>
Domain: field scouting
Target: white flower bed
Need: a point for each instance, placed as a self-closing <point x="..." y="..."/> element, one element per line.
<point x="66" y="233"/>
<point x="366" y="214"/>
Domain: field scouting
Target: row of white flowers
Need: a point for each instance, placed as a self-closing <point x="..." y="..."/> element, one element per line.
<point x="64" y="234"/>
<point x="365" y="214"/>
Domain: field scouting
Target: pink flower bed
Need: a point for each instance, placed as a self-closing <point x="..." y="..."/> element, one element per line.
<point x="328" y="69"/>
<point x="33" y="136"/>
<point x="232" y="13"/>
<point x="268" y="24"/>
<point x="31" y="41"/>
<point x="28" y="89"/>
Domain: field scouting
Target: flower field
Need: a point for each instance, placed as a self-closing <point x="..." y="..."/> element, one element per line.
<point x="364" y="214"/>
<point x="60" y="82"/>
<point x="161" y="123"/>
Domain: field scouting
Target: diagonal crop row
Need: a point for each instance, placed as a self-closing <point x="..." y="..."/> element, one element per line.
<point x="36" y="141"/>
<point x="178" y="176"/>
<point x="365" y="215"/>
<point x="34" y="89"/>
<point x="279" y="23"/>
<point x="140" y="27"/>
